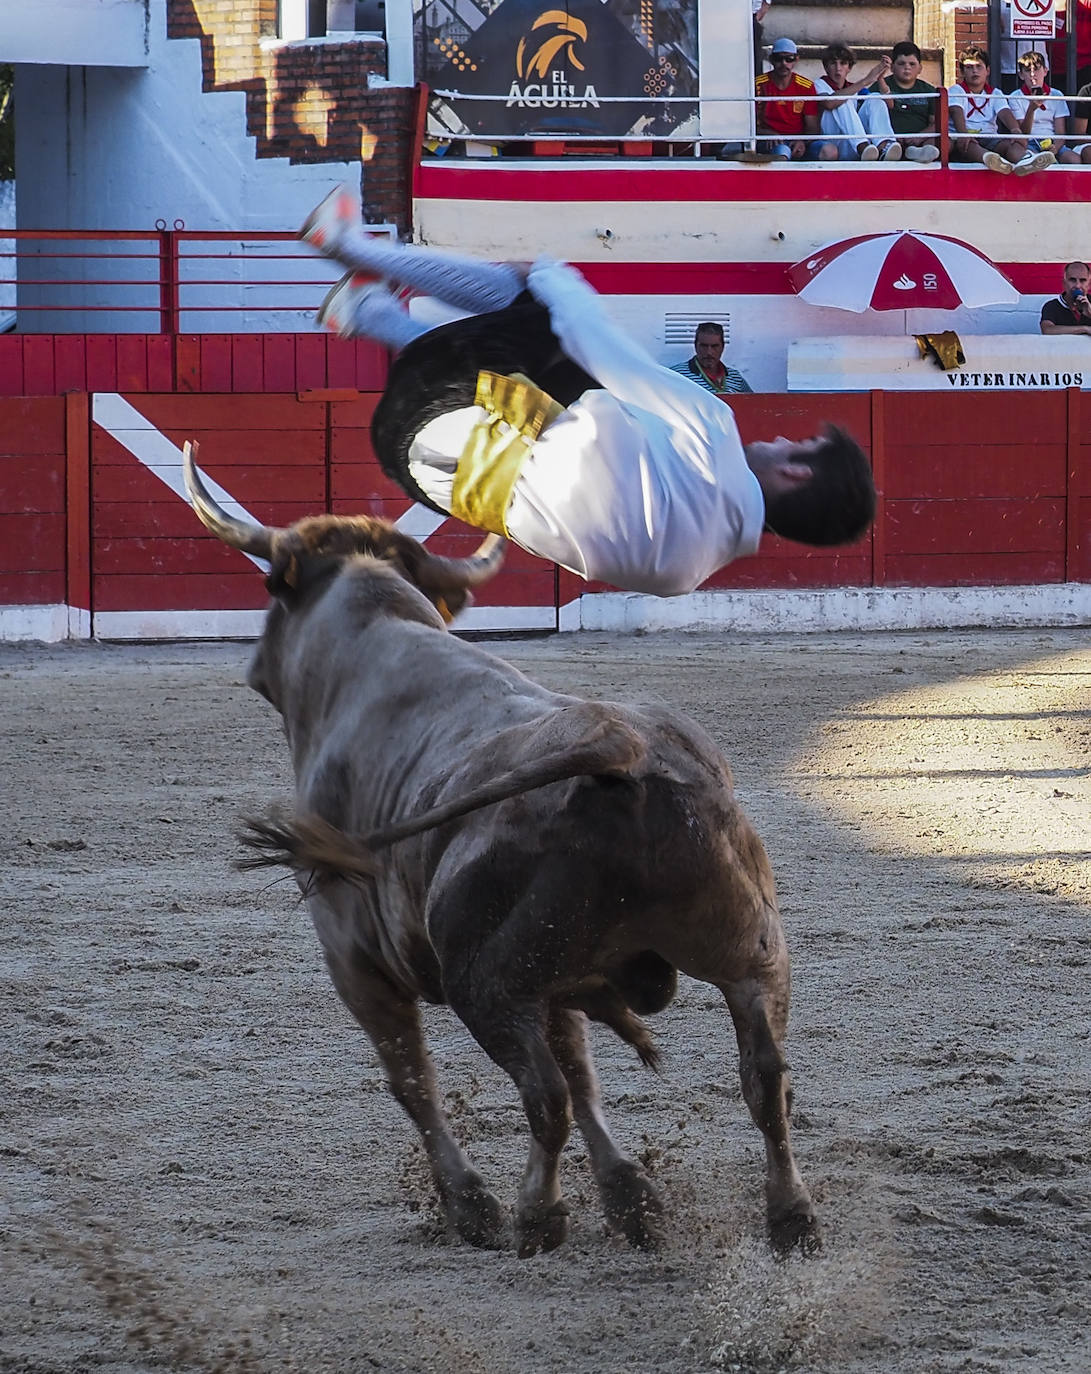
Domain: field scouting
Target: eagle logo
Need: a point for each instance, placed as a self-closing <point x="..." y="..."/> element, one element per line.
<point x="567" y="31"/>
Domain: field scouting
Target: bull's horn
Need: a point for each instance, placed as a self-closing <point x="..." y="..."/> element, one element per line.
<point x="443" y="574"/>
<point x="239" y="534"/>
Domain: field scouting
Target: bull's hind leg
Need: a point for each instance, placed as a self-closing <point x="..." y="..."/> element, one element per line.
<point x="513" y="1034"/>
<point x="631" y="1204"/>
<point x="393" y="1023"/>
<point x="759" y="1007"/>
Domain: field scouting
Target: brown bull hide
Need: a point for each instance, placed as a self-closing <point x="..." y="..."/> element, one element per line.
<point x="464" y="835"/>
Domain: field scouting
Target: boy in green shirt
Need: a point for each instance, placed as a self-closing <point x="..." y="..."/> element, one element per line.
<point x="911" y="117"/>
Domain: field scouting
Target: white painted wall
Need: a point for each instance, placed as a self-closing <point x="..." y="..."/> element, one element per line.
<point x="111" y="33"/>
<point x="110" y="148"/>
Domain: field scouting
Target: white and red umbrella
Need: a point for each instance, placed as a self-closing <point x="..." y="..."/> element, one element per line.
<point x="902" y="270"/>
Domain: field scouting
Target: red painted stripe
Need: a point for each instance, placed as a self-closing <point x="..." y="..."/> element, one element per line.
<point x="629" y="183"/>
<point x="101" y="357"/>
<point x="761" y="278"/>
<point x="246" y="362"/>
<point x="132" y="362"/>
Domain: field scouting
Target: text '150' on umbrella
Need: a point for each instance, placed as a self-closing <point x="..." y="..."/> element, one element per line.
<point x="901" y="270"/>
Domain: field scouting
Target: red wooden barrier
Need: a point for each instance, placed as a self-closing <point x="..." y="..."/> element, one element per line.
<point x="965" y="499"/>
<point x="51" y="364"/>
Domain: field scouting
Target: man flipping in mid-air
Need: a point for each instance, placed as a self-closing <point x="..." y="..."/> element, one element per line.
<point x="542" y="421"/>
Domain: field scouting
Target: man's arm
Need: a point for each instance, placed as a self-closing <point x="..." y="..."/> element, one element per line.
<point x="1007" y="121"/>
<point x="957" y="113"/>
<point x="591" y="339"/>
<point x="1048" y="327"/>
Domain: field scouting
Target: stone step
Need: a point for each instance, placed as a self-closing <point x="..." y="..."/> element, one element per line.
<point x="869" y="23"/>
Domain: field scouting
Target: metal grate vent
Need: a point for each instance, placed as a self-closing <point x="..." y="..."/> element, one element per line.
<point x="679" y="326"/>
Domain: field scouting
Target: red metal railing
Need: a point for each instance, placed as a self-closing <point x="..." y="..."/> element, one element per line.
<point x="162" y="281"/>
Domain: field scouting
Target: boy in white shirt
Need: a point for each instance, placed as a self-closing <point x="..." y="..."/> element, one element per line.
<point x="864" y="122"/>
<point x="543" y="421"/>
<point x="982" y="125"/>
<point x="1040" y="109"/>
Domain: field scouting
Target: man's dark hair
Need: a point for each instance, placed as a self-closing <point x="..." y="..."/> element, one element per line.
<point x="837" y="52"/>
<point x="905" y="49"/>
<point x="837" y="505"/>
<point x="709" y="327"/>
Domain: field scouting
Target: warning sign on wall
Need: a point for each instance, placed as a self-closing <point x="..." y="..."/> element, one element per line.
<point x="1032" y="18"/>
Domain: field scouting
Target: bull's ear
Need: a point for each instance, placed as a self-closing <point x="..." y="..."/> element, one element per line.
<point x="451" y="603"/>
<point x="294" y="573"/>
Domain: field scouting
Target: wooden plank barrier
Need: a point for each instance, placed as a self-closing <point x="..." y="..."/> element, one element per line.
<point x="974" y="491"/>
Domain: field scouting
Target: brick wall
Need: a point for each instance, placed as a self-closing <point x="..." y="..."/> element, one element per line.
<point x="971" y="30"/>
<point x="308" y="101"/>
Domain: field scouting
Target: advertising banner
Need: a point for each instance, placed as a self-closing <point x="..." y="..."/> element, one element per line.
<point x="581" y="67"/>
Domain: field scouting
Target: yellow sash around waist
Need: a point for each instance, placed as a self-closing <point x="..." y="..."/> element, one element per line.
<point x="516" y="412"/>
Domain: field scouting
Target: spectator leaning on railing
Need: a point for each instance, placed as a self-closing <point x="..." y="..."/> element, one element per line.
<point x="790" y="117"/>
<point x="982" y="125"/>
<point x="911" y="103"/>
<point x="707" y="367"/>
<point x="1070" y="312"/>
<point x="1039" y="109"/>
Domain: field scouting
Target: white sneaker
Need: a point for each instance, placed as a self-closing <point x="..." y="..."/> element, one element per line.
<point x="996" y="163"/>
<point x="922" y="152"/>
<point x="338" y="311"/>
<point x="891" y="152"/>
<point x="869" y="153"/>
<point x="1033" y="162"/>
<point x="326" y="224"/>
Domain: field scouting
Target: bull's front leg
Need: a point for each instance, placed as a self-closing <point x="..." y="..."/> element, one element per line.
<point x="393" y="1023"/>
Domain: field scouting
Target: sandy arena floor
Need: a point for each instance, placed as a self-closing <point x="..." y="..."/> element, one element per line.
<point x="202" y="1167"/>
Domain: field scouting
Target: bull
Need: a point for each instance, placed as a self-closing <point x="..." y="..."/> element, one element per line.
<point x="464" y="836"/>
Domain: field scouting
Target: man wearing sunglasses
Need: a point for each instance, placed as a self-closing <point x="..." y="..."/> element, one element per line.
<point x="787" y="116"/>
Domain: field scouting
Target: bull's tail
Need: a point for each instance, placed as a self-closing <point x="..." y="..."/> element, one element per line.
<point x="310" y="844"/>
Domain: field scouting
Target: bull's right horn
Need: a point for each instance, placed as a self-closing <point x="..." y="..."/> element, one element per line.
<point x="238" y="534"/>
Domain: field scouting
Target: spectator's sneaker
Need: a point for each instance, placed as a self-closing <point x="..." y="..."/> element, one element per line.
<point x="869" y="153"/>
<point x="1033" y="162"/>
<point x="927" y="152"/>
<point x="891" y="152"/>
<point x="996" y="163"/>
<point x="338" y="311"/>
<point x="326" y="224"/>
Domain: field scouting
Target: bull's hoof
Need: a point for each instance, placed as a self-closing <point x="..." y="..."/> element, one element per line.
<point x="632" y="1205"/>
<point x="795" y="1229"/>
<point x="477" y="1217"/>
<point x="541" y="1228"/>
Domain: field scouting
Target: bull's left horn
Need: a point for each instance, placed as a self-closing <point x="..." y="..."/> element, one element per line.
<point x="238" y="534"/>
<point x="443" y="574"/>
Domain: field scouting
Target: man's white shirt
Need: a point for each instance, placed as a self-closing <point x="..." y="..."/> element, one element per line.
<point x="643" y="484"/>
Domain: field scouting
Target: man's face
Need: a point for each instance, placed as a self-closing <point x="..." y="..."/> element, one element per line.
<point x="975" y="75"/>
<point x="1034" y="76"/>
<point x="709" y="349"/>
<point x="906" y="69"/>
<point x="837" y="71"/>
<point x="783" y="67"/>
<point x="1076" y="278"/>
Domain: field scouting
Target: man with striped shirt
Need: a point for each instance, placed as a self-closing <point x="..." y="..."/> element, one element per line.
<point x="707" y="367"/>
